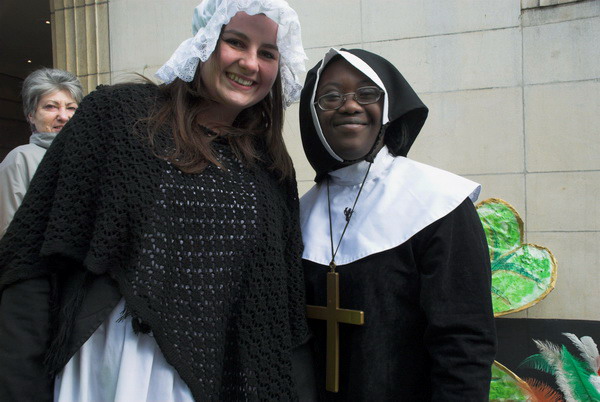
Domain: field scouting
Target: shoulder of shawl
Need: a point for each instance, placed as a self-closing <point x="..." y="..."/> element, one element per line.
<point x="126" y="99"/>
<point x="110" y="112"/>
<point x="104" y="121"/>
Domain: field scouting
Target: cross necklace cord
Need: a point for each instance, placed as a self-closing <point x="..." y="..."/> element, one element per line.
<point x="332" y="313"/>
<point x="348" y="213"/>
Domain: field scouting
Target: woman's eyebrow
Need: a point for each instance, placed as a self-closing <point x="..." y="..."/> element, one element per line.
<point x="336" y="85"/>
<point x="329" y="86"/>
<point x="245" y="37"/>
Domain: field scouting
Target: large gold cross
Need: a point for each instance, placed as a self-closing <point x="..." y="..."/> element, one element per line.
<point x="334" y="315"/>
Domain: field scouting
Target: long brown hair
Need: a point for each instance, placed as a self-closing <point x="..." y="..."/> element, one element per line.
<point x="255" y="135"/>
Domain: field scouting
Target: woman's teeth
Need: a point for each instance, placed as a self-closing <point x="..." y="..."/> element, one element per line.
<point x="239" y="80"/>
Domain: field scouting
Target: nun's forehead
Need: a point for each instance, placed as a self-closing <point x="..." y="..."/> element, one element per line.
<point x="341" y="65"/>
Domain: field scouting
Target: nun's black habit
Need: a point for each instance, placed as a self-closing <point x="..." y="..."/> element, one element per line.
<point x="414" y="258"/>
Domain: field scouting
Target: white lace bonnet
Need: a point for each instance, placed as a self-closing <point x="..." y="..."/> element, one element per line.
<point x="211" y="15"/>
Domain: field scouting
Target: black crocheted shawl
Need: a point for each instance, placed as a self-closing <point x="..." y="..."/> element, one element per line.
<point x="210" y="261"/>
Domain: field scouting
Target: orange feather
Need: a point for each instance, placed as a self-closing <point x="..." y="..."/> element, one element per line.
<point x="539" y="391"/>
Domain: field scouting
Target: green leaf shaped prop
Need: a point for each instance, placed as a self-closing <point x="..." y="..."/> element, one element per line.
<point x="506" y="385"/>
<point x="522" y="273"/>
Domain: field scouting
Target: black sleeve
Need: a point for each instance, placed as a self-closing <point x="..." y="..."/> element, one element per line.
<point x="293" y="250"/>
<point x="24" y="326"/>
<point x="455" y="295"/>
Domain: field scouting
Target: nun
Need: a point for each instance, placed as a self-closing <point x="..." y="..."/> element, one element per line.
<point x="402" y="239"/>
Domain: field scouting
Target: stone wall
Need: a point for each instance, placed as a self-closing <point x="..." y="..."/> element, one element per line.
<point x="80" y="40"/>
<point x="513" y="88"/>
<point x="514" y="95"/>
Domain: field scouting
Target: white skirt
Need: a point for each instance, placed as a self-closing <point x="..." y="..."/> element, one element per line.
<point x="116" y="364"/>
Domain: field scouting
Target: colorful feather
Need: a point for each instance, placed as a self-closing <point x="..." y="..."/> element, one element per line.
<point x="577" y="375"/>
<point x="540" y="363"/>
<point x="578" y="380"/>
<point x="549" y="351"/>
<point x="588" y="349"/>
<point x="553" y="356"/>
<point x="595" y="381"/>
<point x="538" y="391"/>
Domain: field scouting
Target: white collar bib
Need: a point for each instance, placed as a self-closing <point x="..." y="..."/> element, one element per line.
<point x="400" y="197"/>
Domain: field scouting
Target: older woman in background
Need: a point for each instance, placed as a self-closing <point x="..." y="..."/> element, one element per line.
<point x="50" y="98"/>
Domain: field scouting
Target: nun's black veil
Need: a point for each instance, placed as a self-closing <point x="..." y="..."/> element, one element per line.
<point x="404" y="109"/>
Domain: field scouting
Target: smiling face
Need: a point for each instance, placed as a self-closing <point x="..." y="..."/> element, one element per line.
<point x="53" y="111"/>
<point x="352" y="129"/>
<point x="243" y="67"/>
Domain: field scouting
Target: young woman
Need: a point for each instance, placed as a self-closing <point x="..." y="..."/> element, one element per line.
<point x="157" y="254"/>
<point x="403" y="238"/>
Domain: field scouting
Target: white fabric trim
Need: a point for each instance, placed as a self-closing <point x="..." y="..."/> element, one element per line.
<point x="369" y="72"/>
<point x="117" y="365"/>
<point x="363" y="68"/>
<point x="400" y="198"/>
<point x="211" y="15"/>
<point x="313" y="109"/>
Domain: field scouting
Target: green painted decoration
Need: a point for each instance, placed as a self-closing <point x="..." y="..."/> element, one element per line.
<point x="505" y="385"/>
<point x="522" y="274"/>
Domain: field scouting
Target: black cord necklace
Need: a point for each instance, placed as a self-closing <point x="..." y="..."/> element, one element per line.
<point x="332" y="313"/>
<point x="348" y="212"/>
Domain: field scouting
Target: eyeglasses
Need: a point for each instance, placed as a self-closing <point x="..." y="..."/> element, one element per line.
<point x="335" y="100"/>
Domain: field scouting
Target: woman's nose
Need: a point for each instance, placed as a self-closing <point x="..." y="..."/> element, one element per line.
<point x="350" y="105"/>
<point x="249" y="62"/>
<point x="64" y="114"/>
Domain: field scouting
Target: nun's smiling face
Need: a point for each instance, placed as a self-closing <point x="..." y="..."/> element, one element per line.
<point x="350" y="130"/>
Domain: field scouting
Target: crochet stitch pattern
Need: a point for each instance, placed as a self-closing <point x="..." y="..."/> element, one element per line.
<point x="209" y="262"/>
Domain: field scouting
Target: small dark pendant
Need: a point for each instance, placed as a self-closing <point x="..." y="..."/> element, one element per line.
<point x="332" y="266"/>
<point x="348" y="213"/>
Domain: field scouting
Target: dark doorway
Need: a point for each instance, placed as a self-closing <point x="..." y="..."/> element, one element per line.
<point x="25" y="45"/>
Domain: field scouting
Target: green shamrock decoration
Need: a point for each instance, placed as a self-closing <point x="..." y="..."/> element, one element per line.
<point x="522" y="273"/>
<point x="507" y="386"/>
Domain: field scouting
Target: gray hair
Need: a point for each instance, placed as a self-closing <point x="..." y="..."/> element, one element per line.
<point x="47" y="80"/>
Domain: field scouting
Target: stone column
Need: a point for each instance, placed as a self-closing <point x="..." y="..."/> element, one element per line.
<point x="80" y="40"/>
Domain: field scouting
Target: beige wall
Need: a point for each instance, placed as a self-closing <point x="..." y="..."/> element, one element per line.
<point x="80" y="40"/>
<point x="144" y="34"/>
<point x="514" y="98"/>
